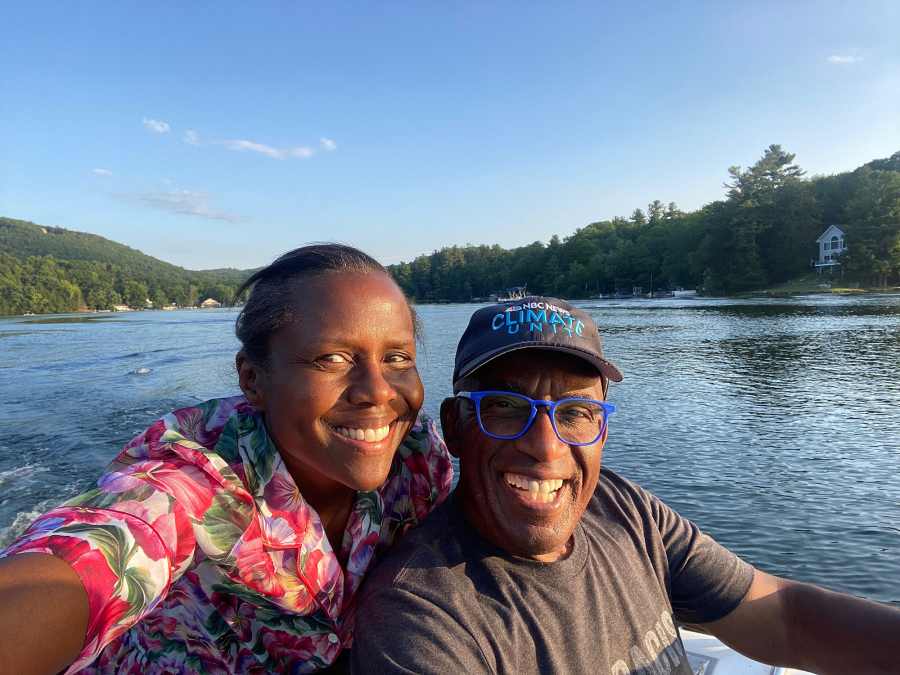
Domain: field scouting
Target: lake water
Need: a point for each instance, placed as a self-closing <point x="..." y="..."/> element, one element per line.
<point x="774" y="424"/>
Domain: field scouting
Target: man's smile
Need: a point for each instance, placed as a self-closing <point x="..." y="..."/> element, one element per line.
<point x="542" y="494"/>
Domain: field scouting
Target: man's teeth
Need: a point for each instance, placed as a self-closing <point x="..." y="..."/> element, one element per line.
<point x="542" y="491"/>
<point x="367" y="435"/>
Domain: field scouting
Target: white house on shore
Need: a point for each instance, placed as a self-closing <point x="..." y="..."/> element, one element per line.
<point x="831" y="245"/>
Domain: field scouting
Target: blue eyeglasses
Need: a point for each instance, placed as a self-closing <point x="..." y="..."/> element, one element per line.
<point x="506" y="415"/>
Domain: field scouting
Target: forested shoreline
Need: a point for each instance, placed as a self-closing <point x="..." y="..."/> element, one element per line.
<point x="762" y="234"/>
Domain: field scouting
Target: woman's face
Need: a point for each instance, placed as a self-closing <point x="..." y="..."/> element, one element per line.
<point x="341" y="389"/>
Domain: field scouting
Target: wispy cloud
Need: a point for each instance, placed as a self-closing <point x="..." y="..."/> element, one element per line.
<point x="327" y="144"/>
<point x="183" y="202"/>
<point x="101" y="172"/>
<point x="157" y="126"/>
<point x="844" y="59"/>
<point x="242" y="145"/>
<point x="191" y="137"/>
<point x="250" y="146"/>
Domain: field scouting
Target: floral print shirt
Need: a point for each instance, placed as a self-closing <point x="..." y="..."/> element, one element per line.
<point x="199" y="554"/>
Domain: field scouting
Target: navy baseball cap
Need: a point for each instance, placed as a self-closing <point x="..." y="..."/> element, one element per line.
<point x="533" y="322"/>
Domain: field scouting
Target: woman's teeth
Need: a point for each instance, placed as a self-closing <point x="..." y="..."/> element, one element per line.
<point x="540" y="491"/>
<point x="367" y="435"/>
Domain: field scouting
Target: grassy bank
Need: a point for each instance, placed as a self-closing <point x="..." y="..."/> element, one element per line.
<point x="813" y="283"/>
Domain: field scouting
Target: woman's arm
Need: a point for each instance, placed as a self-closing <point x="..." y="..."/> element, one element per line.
<point x="122" y="549"/>
<point x="43" y="614"/>
<point x="89" y="570"/>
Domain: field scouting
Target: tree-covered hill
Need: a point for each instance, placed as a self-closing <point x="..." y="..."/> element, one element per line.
<point x="52" y="269"/>
<point x="23" y="239"/>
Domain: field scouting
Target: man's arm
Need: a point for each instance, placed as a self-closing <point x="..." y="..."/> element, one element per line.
<point x="43" y="614"/>
<point x="787" y="623"/>
<point x="400" y="632"/>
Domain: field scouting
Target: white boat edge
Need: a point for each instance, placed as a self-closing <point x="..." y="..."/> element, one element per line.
<point x="710" y="656"/>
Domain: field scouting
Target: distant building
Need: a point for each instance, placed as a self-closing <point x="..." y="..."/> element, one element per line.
<point x="831" y="246"/>
<point x="121" y="308"/>
<point x="210" y="303"/>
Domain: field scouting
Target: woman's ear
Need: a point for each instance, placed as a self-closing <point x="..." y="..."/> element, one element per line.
<point x="250" y="378"/>
<point x="450" y="424"/>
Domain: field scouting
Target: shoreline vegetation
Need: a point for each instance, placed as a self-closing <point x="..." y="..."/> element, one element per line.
<point x="758" y="241"/>
<point x="789" y="290"/>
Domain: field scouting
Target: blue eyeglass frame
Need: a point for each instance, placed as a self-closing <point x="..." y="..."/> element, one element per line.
<point x="476" y="396"/>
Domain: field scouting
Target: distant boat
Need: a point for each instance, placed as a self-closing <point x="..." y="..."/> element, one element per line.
<point x="28" y="314"/>
<point x="514" y="293"/>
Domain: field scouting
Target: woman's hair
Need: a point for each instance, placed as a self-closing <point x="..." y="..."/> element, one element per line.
<point x="270" y="305"/>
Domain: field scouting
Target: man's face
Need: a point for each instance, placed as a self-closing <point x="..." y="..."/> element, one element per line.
<point x="494" y="472"/>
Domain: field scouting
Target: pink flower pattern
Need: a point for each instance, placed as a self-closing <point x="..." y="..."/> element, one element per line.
<point x="199" y="554"/>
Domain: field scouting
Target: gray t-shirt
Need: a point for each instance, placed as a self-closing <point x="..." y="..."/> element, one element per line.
<point x="447" y="601"/>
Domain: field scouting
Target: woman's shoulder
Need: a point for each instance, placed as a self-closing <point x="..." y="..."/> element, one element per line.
<point x="204" y="422"/>
<point x="199" y="443"/>
<point x="423" y="438"/>
<point x="423" y="451"/>
<point x="421" y="476"/>
<point x="204" y="427"/>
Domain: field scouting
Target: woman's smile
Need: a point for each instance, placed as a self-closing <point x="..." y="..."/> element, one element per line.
<point x="367" y="435"/>
<point x="369" y="438"/>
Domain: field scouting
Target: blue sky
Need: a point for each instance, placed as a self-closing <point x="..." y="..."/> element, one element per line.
<point x="223" y="134"/>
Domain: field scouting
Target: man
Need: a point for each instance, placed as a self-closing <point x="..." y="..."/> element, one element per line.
<point x="541" y="561"/>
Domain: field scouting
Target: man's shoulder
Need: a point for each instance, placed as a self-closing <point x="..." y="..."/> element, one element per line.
<point x="432" y="556"/>
<point x="615" y="490"/>
<point x="421" y="603"/>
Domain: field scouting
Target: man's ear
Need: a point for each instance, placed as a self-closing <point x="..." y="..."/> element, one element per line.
<point x="250" y="378"/>
<point x="450" y="424"/>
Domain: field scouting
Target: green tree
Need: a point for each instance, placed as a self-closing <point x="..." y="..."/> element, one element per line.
<point x="656" y="211"/>
<point x="873" y="228"/>
<point x="134" y="293"/>
<point x="757" y="185"/>
<point x="792" y="223"/>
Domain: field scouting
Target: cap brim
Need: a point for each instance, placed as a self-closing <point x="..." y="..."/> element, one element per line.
<point x="606" y="368"/>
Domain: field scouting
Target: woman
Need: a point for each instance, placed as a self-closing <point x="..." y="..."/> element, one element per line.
<point x="232" y="536"/>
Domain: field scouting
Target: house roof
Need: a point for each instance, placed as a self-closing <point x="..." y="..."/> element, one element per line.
<point x="831" y="231"/>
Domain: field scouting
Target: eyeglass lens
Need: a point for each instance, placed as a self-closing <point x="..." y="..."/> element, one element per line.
<point x="577" y="421"/>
